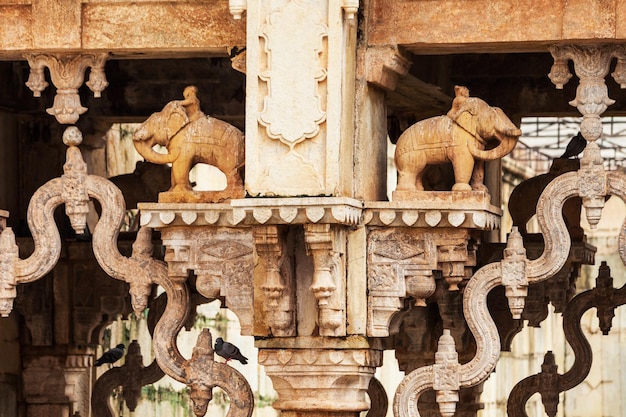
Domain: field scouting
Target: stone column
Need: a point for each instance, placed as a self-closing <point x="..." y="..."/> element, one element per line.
<point x="300" y="97"/>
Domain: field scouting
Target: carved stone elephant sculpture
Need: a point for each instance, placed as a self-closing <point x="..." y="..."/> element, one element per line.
<point x="460" y="137"/>
<point x="202" y="139"/>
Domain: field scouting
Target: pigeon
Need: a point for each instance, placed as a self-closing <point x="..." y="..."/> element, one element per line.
<point x="229" y="351"/>
<point x="575" y="146"/>
<point x="111" y="355"/>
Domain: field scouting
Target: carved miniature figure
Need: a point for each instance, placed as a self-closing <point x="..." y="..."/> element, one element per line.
<point x="460" y="137"/>
<point x="190" y="138"/>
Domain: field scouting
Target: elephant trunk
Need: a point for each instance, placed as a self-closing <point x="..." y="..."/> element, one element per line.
<point x="144" y="147"/>
<point x="507" y="143"/>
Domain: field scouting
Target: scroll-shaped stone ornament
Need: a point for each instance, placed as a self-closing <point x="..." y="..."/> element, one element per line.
<point x="191" y="137"/>
<point x="605" y="298"/>
<point x="203" y="374"/>
<point x="131" y="377"/>
<point x="459" y="137"/>
<point x="74" y="189"/>
<point x="478" y="318"/>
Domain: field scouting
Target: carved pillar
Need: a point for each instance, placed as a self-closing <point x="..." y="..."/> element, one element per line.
<point x="299" y="95"/>
<point x="67" y="71"/>
<point x="277" y="282"/>
<point x="57" y="382"/>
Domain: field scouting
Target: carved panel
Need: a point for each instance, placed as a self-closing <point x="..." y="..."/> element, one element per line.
<point x="401" y="262"/>
<point x="287" y="117"/>
<point x="222" y="259"/>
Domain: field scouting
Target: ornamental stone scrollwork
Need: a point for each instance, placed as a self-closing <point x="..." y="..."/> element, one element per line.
<point x="74" y="189"/>
<point x="67" y="71"/>
<point x="131" y="377"/>
<point x="478" y="318"/>
<point x="203" y="374"/>
<point x="605" y="298"/>
<point x="222" y="260"/>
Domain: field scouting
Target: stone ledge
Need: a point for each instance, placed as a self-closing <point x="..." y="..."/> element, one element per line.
<point x="437" y="210"/>
<point x="253" y="212"/>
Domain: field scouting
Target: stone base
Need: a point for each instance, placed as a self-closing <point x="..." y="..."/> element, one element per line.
<point x="444" y="197"/>
<point x="200" y="196"/>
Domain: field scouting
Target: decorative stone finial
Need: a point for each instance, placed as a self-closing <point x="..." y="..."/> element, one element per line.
<point x="67" y="71"/>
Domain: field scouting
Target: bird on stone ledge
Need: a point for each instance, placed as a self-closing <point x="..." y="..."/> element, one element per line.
<point x="575" y="146"/>
<point x="111" y="355"/>
<point x="228" y="351"/>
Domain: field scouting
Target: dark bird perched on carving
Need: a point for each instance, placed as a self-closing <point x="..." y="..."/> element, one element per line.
<point x="575" y="146"/>
<point x="111" y="355"/>
<point x="228" y="351"/>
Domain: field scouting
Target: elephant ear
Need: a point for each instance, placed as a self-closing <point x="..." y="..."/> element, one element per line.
<point x="176" y="118"/>
<point x="467" y="121"/>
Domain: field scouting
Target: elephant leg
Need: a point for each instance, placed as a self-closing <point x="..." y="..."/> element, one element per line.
<point x="463" y="166"/>
<point x="478" y="177"/>
<point x="411" y="179"/>
<point x="180" y="175"/>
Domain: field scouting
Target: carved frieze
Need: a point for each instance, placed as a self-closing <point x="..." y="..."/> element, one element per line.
<point x="250" y="212"/>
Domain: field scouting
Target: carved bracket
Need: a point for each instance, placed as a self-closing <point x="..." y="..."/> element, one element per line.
<point x="326" y="244"/>
<point x="67" y="71"/>
<point x="401" y="262"/>
<point x="222" y="260"/>
<point x="384" y="65"/>
<point x="278" y="286"/>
